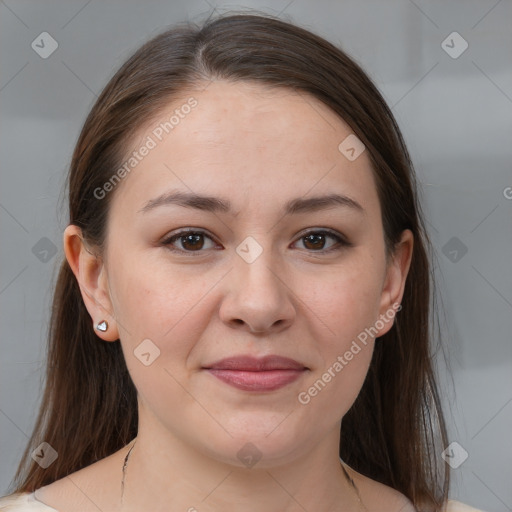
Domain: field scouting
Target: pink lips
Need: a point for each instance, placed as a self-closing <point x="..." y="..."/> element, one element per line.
<point x="257" y="374"/>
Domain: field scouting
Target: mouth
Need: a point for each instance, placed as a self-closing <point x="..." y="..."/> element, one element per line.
<point x="257" y="374"/>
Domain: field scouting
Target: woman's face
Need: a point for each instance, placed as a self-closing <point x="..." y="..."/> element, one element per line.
<point x="286" y="260"/>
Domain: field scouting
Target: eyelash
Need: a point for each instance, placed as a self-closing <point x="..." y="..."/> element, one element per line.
<point x="340" y="244"/>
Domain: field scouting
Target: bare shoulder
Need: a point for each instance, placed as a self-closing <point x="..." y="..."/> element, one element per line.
<point x="378" y="497"/>
<point x="88" y="489"/>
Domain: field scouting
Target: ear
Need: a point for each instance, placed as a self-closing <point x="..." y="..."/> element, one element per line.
<point x="394" y="283"/>
<point x="90" y="272"/>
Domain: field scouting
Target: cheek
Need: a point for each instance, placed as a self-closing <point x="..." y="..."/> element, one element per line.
<point x="160" y="318"/>
<point x="345" y="302"/>
<point x="347" y="309"/>
<point x="152" y="300"/>
<point x="169" y="311"/>
<point x="345" y="348"/>
<point x="331" y="391"/>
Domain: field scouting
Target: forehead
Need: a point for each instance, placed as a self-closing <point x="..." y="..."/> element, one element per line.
<point x="260" y="142"/>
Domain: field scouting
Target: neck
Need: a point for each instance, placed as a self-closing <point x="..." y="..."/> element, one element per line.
<point x="179" y="478"/>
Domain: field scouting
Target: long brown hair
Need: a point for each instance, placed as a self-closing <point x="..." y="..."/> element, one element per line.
<point x="395" y="431"/>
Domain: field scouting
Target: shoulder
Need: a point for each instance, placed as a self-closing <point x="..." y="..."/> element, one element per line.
<point x="377" y="497"/>
<point x="23" y="502"/>
<point x="457" y="506"/>
<point x="95" y="487"/>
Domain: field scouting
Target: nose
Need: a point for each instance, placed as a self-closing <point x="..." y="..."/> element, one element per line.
<point x="258" y="299"/>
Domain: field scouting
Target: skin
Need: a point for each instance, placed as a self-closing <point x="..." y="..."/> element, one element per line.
<point x="258" y="148"/>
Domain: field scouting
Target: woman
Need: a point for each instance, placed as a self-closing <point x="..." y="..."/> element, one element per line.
<point x="242" y="317"/>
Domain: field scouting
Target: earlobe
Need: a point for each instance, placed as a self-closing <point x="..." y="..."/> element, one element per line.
<point x="90" y="274"/>
<point x="396" y="276"/>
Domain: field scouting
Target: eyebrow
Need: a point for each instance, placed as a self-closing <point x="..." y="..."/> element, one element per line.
<point x="216" y="204"/>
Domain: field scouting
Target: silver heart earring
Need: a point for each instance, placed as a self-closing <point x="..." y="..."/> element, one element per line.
<point x="102" y="326"/>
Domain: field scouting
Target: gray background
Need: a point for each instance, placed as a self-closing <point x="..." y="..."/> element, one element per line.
<point x="456" y="115"/>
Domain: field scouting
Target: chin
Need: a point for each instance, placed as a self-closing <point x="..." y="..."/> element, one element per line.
<point x="260" y="441"/>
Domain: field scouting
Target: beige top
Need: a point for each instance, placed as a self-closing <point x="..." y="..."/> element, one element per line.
<point x="23" y="502"/>
<point x="27" y="502"/>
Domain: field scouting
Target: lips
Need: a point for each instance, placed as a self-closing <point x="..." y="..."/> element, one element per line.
<point x="257" y="374"/>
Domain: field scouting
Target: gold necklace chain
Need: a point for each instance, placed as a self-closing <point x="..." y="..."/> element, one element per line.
<point x="354" y="486"/>
<point x="124" y="469"/>
<point x="348" y="477"/>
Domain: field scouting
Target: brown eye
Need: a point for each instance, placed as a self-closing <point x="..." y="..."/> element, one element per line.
<point x="315" y="241"/>
<point x="188" y="241"/>
<point x="192" y="241"/>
